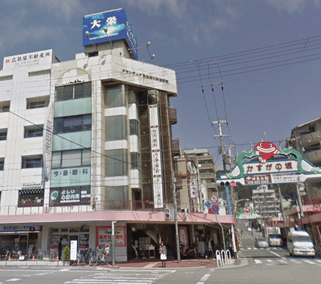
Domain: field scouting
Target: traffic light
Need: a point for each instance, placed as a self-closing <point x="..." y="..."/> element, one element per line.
<point x="227" y="183"/>
<point x="167" y="214"/>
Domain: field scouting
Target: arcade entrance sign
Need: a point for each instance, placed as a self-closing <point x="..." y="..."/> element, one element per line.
<point x="269" y="165"/>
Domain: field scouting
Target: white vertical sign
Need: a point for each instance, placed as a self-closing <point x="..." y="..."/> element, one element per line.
<point x="156" y="157"/>
<point x="73" y="249"/>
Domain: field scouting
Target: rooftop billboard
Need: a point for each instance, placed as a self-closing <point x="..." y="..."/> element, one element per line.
<point x="118" y="27"/>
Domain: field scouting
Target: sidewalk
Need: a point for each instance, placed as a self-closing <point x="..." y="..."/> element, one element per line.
<point x="146" y="264"/>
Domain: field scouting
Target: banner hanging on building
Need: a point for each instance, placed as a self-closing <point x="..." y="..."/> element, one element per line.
<point x="156" y="157"/>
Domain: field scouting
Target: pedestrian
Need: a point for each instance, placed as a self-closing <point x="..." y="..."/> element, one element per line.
<point x="210" y="248"/>
<point x="59" y="249"/>
<point x="163" y="254"/>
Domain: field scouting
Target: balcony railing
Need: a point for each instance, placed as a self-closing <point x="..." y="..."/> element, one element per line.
<point x="175" y="146"/>
<point x="172" y="115"/>
<point x="109" y="205"/>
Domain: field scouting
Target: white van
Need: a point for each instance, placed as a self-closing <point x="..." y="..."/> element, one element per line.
<point x="300" y="243"/>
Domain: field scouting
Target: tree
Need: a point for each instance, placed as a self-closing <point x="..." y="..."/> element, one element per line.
<point x="66" y="254"/>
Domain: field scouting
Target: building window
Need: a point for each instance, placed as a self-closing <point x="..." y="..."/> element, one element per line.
<point x="132" y="98"/>
<point x="38" y="102"/>
<point x="116" y="197"/>
<point x="31" y="197"/>
<point x="4" y="106"/>
<point x="116" y="128"/>
<point x="134" y="130"/>
<point x="76" y="91"/>
<point x="1" y="164"/>
<point x="29" y="162"/>
<point x="33" y="131"/>
<point x="116" y="163"/>
<point x="3" y="134"/>
<point x="71" y="158"/>
<point x="135" y="160"/>
<point x="114" y="96"/>
<point x="72" y="123"/>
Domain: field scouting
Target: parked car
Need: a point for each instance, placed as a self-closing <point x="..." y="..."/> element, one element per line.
<point x="261" y="243"/>
<point x="275" y="240"/>
<point x="300" y="243"/>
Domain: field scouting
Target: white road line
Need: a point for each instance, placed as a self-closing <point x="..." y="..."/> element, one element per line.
<point x="205" y="277"/>
<point x="295" y="260"/>
<point x="269" y="260"/>
<point x="13" y="279"/>
<point x="257" y="261"/>
<point x="275" y="253"/>
<point x="308" y="261"/>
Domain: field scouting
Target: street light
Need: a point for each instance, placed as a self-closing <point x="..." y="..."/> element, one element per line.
<point x="240" y="200"/>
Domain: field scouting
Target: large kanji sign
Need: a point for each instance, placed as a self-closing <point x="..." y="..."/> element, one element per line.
<point x="269" y="165"/>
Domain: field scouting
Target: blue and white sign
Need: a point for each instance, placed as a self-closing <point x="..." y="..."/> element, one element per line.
<point x="118" y="27"/>
<point x="208" y="204"/>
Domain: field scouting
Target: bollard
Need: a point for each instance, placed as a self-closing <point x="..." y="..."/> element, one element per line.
<point x="228" y="257"/>
<point x="218" y="258"/>
<point x="223" y="256"/>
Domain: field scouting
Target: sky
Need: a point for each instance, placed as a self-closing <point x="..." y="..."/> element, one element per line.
<point x="267" y="53"/>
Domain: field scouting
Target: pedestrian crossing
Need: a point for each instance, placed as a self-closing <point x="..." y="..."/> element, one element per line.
<point x="123" y="276"/>
<point x="286" y="261"/>
<point x="269" y="248"/>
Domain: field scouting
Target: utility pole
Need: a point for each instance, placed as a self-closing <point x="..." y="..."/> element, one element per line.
<point x="219" y="122"/>
<point x="175" y="217"/>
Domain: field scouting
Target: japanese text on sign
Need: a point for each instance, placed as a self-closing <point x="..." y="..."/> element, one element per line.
<point x="104" y="236"/>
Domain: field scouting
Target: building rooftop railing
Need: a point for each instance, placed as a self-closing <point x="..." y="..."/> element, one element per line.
<point x="109" y="205"/>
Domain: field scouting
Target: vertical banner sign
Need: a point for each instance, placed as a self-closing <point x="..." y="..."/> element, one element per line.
<point x="47" y="136"/>
<point x="73" y="250"/>
<point x="156" y="157"/>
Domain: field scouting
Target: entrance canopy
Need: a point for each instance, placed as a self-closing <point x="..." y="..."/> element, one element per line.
<point x="269" y="165"/>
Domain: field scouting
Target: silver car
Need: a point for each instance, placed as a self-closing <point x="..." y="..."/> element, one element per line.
<point x="261" y="243"/>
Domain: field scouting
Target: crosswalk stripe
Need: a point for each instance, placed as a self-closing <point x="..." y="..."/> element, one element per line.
<point x="257" y="261"/>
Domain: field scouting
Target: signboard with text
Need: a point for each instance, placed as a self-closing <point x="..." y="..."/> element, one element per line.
<point x="27" y="59"/>
<point x="269" y="165"/>
<point x="109" y="26"/>
<point x="104" y="233"/>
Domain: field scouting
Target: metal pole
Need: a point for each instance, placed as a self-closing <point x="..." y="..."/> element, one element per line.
<point x="175" y="218"/>
<point x="222" y="231"/>
<point x="113" y="241"/>
<point x="228" y="200"/>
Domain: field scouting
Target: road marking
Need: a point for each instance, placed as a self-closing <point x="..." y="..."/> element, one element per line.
<point x="308" y="261"/>
<point x="13" y="279"/>
<point x="257" y="261"/>
<point x="205" y="277"/>
<point x="275" y="253"/>
<point x="295" y="260"/>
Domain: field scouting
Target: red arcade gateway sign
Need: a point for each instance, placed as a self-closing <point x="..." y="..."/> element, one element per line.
<point x="268" y="164"/>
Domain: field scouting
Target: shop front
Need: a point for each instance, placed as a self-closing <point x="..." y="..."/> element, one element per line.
<point x="19" y="238"/>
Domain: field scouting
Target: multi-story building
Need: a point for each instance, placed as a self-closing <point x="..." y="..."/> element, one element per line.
<point x="205" y="162"/>
<point x="306" y="138"/>
<point x="266" y="203"/>
<point x="87" y="143"/>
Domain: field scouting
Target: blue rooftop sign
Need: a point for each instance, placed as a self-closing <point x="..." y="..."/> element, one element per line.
<point x="118" y="27"/>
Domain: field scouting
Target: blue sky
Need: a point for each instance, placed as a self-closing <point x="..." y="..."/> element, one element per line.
<point x="247" y="38"/>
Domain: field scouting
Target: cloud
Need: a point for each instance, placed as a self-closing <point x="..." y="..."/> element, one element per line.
<point x="291" y="6"/>
<point x="197" y="22"/>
